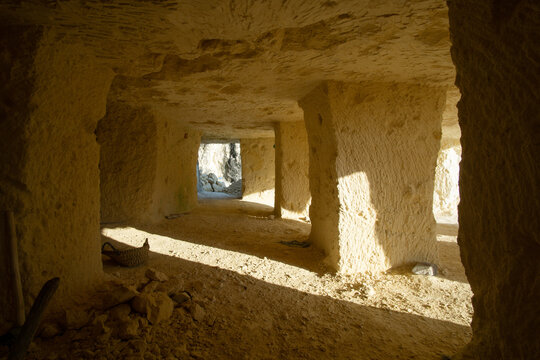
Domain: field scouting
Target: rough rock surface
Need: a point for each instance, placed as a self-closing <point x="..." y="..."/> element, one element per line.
<point x="236" y="68"/>
<point x="446" y="192"/>
<point x="258" y="170"/>
<point x="495" y="49"/>
<point x="49" y="175"/>
<point x="292" y="170"/>
<point x="229" y="69"/>
<point x="221" y="159"/>
<point x="373" y="151"/>
<point x="146" y="164"/>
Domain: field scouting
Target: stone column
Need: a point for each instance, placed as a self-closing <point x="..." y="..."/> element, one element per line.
<point x="175" y="183"/>
<point x="496" y="53"/>
<point x="258" y="170"/>
<point x="292" y="167"/>
<point x="128" y="139"/>
<point x="148" y="165"/>
<point x="373" y="150"/>
<point x="52" y="99"/>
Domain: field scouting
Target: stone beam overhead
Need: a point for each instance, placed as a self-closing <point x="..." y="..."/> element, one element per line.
<point x="242" y="65"/>
<point x="373" y="151"/>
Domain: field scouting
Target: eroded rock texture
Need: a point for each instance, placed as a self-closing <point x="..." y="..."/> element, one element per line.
<point x="49" y="173"/>
<point x="234" y="68"/>
<point x="292" y="170"/>
<point x="495" y="49"/>
<point x="258" y="170"/>
<point x="373" y="151"/>
<point x="147" y="164"/>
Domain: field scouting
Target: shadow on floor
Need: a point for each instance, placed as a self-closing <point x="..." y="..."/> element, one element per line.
<point x="242" y="228"/>
<point x="232" y="206"/>
<point x="249" y="318"/>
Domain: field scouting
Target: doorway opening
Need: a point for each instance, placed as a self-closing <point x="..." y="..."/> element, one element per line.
<point x="219" y="170"/>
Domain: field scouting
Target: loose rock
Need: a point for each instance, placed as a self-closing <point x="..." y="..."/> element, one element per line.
<point x="120" y="312"/>
<point x="50" y="330"/>
<point x="156" y="275"/>
<point x="128" y="329"/>
<point x="425" y="269"/>
<point x="76" y="318"/>
<point x="181" y="298"/>
<point x="197" y="312"/>
<point x="119" y="295"/>
<point x="160" y="309"/>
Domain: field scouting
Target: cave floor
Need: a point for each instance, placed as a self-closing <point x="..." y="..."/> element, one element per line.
<point x="259" y="299"/>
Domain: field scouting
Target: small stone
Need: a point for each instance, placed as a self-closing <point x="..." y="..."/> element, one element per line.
<point x="118" y="295"/>
<point x="181" y="298"/>
<point x="143" y="322"/>
<point x="76" y="318"/>
<point x="153" y="274"/>
<point x="198" y="313"/>
<point x="128" y="329"/>
<point x="160" y="309"/>
<point x="140" y="303"/>
<point x="139" y="346"/>
<point x="171" y="287"/>
<point x="369" y="291"/>
<point x="120" y="312"/>
<point x="217" y="188"/>
<point x="99" y="328"/>
<point x="425" y="269"/>
<point x="212" y="178"/>
<point x="197" y="286"/>
<point x="208" y="187"/>
<point x="150" y="287"/>
<point x="50" y="330"/>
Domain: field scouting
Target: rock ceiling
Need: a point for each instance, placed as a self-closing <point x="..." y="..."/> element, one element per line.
<point x="233" y="68"/>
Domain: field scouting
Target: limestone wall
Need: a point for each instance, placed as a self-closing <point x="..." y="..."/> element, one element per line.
<point x="446" y="194"/>
<point x="292" y="170"/>
<point x="373" y="151"/>
<point x="53" y="95"/>
<point x="495" y="50"/>
<point x="258" y="170"/>
<point x="127" y="136"/>
<point x="147" y="165"/>
<point x="175" y="182"/>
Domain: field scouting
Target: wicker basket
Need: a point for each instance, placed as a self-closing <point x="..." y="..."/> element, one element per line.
<point x="129" y="257"/>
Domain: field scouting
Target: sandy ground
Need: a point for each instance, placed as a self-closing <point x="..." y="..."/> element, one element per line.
<point x="259" y="299"/>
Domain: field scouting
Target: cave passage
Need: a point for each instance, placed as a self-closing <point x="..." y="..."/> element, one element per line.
<point x="219" y="170"/>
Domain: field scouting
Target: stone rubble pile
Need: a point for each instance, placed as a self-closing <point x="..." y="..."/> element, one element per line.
<point x="120" y="323"/>
<point x="210" y="183"/>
